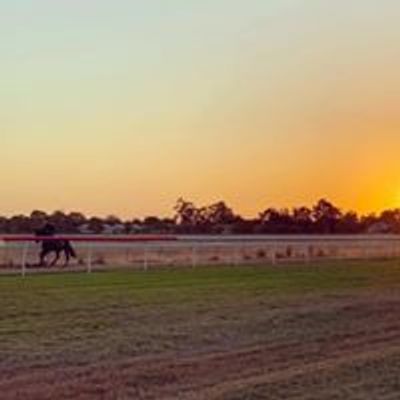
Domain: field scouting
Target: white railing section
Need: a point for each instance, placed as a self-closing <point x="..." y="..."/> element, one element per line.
<point x="20" y="253"/>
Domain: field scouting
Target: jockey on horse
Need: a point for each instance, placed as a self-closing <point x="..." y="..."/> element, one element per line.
<point x="56" y="246"/>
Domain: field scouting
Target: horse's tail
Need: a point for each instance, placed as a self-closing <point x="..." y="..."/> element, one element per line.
<point x="70" y="249"/>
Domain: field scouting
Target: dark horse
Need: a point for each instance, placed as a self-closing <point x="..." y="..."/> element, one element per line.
<point x="55" y="246"/>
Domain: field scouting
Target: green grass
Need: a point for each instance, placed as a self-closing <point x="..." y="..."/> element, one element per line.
<point x="75" y="318"/>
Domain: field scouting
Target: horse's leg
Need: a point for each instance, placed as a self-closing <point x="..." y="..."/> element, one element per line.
<point x="56" y="258"/>
<point x="66" y="254"/>
<point x="42" y="258"/>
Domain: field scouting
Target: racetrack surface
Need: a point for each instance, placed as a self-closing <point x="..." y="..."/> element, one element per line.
<point x="326" y="331"/>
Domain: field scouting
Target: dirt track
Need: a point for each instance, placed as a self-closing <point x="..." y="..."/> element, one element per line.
<point x="358" y="359"/>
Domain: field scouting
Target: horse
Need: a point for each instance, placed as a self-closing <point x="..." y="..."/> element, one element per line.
<point x="56" y="246"/>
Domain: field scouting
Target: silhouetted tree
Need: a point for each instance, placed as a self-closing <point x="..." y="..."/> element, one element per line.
<point x="276" y="221"/>
<point x="323" y="218"/>
<point x="187" y="216"/>
<point x="349" y="223"/>
<point x="326" y="216"/>
<point x="303" y="219"/>
<point x="77" y="219"/>
<point x="95" y="225"/>
<point x="391" y="218"/>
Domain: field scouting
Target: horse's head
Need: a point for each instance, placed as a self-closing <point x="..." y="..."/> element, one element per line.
<point x="49" y="229"/>
<point x="46" y="230"/>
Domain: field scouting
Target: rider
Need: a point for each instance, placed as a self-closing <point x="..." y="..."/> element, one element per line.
<point x="53" y="245"/>
<point x="48" y="229"/>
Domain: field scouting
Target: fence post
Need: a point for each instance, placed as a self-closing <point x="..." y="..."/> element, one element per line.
<point x="232" y="252"/>
<point x="235" y="255"/>
<point x="307" y="254"/>
<point x="24" y="259"/>
<point x="194" y="257"/>
<point x="273" y="255"/>
<point x="145" y="258"/>
<point x="89" y="259"/>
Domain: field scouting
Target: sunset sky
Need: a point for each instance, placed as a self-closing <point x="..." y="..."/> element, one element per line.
<point x="120" y="107"/>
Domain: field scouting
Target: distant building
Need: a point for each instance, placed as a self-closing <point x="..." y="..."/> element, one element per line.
<point x="113" y="229"/>
<point x="135" y="228"/>
<point x="104" y="229"/>
<point x="84" y="229"/>
<point x="379" y="227"/>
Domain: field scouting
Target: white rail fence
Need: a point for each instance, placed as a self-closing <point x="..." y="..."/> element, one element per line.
<point x="98" y="252"/>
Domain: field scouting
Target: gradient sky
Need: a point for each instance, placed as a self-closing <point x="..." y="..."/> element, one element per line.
<point x="120" y="107"/>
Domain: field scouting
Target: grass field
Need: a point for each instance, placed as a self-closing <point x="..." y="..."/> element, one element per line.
<point x="327" y="331"/>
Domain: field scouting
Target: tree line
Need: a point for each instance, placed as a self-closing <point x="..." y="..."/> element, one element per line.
<point x="217" y="218"/>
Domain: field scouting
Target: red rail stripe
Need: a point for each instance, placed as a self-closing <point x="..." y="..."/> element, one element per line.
<point x="89" y="238"/>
